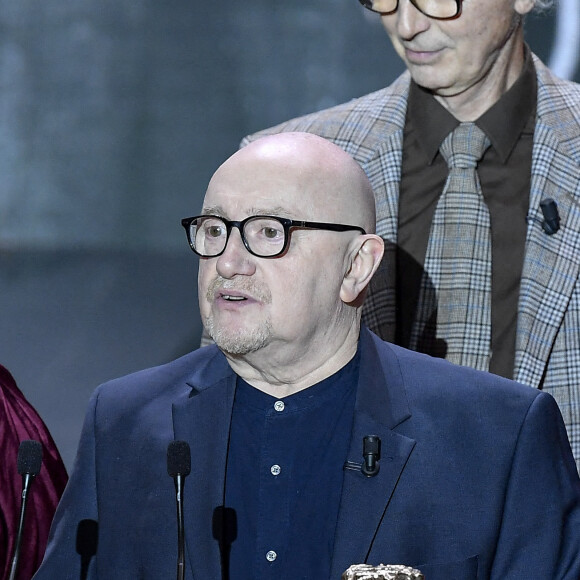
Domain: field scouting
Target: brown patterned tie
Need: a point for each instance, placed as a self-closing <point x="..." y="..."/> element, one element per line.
<point x="454" y="309"/>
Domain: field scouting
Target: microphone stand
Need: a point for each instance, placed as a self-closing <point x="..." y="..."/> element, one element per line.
<point x="179" y="481"/>
<point x="27" y="479"/>
<point x="179" y="467"/>
<point x="29" y="463"/>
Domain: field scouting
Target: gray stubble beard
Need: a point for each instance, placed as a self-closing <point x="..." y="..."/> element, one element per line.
<point x="240" y="342"/>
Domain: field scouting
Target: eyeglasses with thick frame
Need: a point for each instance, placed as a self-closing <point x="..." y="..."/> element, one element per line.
<point x="268" y="226"/>
<point x="436" y="9"/>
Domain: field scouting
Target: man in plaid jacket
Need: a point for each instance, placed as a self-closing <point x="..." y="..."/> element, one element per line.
<point x="461" y="68"/>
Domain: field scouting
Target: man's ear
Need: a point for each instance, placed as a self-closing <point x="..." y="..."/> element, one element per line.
<point x="522" y="7"/>
<point x="366" y="256"/>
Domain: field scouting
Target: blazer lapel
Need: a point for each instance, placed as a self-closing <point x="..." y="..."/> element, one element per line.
<point x="203" y="420"/>
<point x="552" y="263"/>
<point x="365" y="500"/>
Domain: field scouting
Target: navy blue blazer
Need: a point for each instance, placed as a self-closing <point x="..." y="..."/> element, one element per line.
<point x="476" y="476"/>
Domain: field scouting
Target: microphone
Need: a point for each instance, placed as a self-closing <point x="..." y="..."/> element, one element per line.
<point x="551" y="223"/>
<point x="179" y="467"/>
<point x="29" y="463"/>
<point x="86" y="544"/>
<point x="225" y="531"/>
<point x="371" y="455"/>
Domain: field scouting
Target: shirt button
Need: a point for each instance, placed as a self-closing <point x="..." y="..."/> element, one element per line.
<point x="275" y="470"/>
<point x="279" y="406"/>
<point x="271" y="556"/>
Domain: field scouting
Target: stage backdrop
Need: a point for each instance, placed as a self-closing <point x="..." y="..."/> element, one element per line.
<point x="113" y="116"/>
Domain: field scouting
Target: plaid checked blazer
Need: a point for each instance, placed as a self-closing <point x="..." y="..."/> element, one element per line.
<point x="370" y="129"/>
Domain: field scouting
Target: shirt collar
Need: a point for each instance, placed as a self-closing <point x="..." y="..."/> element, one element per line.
<point x="323" y="393"/>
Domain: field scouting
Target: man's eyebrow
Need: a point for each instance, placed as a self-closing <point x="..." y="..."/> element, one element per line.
<point x="212" y="210"/>
<point x="272" y="211"/>
<point x="278" y="211"/>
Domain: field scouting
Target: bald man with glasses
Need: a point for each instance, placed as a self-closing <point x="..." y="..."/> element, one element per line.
<point x="314" y="444"/>
<point x="492" y="283"/>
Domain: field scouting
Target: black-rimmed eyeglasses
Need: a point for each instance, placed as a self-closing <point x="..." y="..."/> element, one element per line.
<point x="263" y="235"/>
<point x="437" y="9"/>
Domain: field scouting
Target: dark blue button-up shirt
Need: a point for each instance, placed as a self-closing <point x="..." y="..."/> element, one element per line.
<point x="284" y="478"/>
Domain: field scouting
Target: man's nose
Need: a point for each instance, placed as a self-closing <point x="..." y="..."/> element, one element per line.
<point x="235" y="259"/>
<point x="410" y="20"/>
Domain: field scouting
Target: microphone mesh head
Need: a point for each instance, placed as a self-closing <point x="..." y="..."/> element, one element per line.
<point x="371" y="444"/>
<point x="178" y="458"/>
<point x="29" y="457"/>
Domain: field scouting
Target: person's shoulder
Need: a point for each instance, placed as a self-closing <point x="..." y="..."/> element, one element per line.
<point x="559" y="105"/>
<point x="549" y="81"/>
<point x="166" y="380"/>
<point x="341" y="122"/>
<point x="426" y="377"/>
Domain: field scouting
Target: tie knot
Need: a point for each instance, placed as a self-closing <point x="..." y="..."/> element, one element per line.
<point x="464" y="146"/>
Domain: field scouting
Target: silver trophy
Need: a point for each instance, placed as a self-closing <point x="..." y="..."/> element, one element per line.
<point x="382" y="572"/>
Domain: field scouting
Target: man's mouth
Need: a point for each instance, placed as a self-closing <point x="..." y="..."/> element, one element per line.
<point x="231" y="298"/>
<point x="237" y="291"/>
<point x="418" y="56"/>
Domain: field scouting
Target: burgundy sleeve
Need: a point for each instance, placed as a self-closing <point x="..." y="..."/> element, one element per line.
<point x="20" y="421"/>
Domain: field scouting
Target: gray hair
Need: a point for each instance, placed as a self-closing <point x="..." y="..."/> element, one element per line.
<point x="541" y="6"/>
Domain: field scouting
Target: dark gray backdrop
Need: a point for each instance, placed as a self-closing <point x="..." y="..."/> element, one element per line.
<point x="113" y="116"/>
